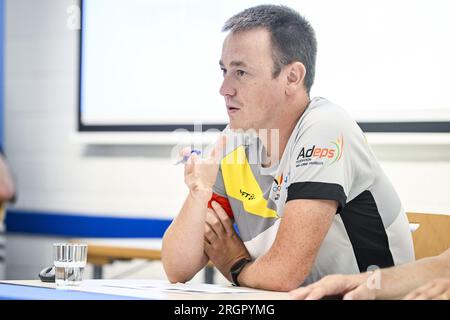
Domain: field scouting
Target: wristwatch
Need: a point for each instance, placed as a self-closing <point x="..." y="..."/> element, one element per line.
<point x="237" y="268"/>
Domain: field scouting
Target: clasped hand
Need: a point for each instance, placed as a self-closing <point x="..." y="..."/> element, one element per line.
<point x="222" y="245"/>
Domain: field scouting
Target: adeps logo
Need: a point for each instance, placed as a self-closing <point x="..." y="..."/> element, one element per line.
<point x="320" y="155"/>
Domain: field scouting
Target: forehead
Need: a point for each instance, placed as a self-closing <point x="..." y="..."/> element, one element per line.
<point x="250" y="46"/>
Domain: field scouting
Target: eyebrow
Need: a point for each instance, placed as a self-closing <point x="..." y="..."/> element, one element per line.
<point x="234" y="64"/>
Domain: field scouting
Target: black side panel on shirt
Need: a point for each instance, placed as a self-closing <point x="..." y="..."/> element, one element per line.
<point x="317" y="190"/>
<point x="366" y="231"/>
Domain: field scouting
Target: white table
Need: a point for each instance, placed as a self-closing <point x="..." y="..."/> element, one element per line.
<point x="151" y="289"/>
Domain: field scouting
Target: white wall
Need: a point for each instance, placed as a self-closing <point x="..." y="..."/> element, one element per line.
<point x="51" y="171"/>
<point x="41" y="95"/>
<point x="420" y="173"/>
<point x="54" y="173"/>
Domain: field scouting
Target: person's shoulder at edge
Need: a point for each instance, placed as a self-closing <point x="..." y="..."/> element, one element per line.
<point x="322" y="114"/>
<point x="327" y="112"/>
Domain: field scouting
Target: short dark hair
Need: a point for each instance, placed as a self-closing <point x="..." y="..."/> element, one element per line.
<point x="292" y="36"/>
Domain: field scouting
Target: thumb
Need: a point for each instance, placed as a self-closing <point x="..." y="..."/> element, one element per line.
<point x="186" y="151"/>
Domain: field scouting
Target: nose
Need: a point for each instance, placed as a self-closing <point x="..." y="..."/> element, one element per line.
<point x="226" y="89"/>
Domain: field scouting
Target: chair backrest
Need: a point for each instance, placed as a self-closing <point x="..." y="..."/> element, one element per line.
<point x="433" y="235"/>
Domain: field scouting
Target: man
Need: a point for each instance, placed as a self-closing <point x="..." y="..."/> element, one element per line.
<point x="6" y="181"/>
<point x="7" y="189"/>
<point x="324" y="207"/>
<point x="424" y="279"/>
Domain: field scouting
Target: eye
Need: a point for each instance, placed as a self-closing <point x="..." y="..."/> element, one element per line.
<point x="224" y="71"/>
<point x="240" y="73"/>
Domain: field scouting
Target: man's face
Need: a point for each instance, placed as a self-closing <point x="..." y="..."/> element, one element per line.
<point x="252" y="97"/>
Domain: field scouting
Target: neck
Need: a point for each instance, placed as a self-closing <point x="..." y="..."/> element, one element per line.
<point x="275" y="139"/>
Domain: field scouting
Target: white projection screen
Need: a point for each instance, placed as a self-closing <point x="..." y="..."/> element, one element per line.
<point x="153" y="65"/>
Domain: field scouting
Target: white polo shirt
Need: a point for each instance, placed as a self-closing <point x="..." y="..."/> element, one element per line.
<point x="326" y="157"/>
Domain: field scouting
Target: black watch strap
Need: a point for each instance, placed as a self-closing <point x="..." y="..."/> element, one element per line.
<point x="237" y="268"/>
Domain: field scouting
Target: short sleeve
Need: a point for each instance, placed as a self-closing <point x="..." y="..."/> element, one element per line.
<point x="319" y="165"/>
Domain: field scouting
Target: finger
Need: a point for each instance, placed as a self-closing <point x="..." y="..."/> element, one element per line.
<point x="214" y="222"/>
<point x="207" y="248"/>
<point x="442" y="295"/>
<point x="436" y="292"/>
<point x="223" y="216"/>
<point x="316" y="293"/>
<point x="210" y="235"/>
<point x="418" y="293"/>
<point x="360" y="293"/>
<point x="328" y="285"/>
<point x="194" y="162"/>
<point x="331" y="285"/>
<point x="422" y="296"/>
<point x="185" y="151"/>
<point x="411" y="296"/>
<point x="193" y="157"/>
<point x="300" y="293"/>
<point x="445" y="294"/>
<point x="429" y="293"/>
<point x="190" y="163"/>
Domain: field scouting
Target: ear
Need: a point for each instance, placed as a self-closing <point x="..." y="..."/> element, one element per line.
<point x="295" y="76"/>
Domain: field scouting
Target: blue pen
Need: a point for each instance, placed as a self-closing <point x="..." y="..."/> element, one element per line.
<point x="186" y="157"/>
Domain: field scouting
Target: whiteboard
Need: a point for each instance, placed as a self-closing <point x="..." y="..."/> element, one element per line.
<point x="155" y="63"/>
